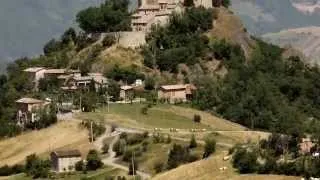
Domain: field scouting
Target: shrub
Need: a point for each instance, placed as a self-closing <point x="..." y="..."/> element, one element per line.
<point x="119" y="147"/>
<point x="158" y="166"/>
<point x="133" y="167"/>
<point x="168" y="141"/>
<point x="113" y="127"/>
<point x="145" y="134"/>
<point x="145" y="146"/>
<point x="105" y="148"/>
<point x="244" y="161"/>
<point x="197" y="118"/>
<point x="127" y="155"/>
<point x="79" y="166"/>
<point x="193" y="142"/>
<point x="209" y="148"/>
<point x="135" y="139"/>
<point x="158" y="138"/>
<point x="144" y="110"/>
<point x="124" y="136"/>
<point x="93" y="160"/>
<point x="178" y="155"/>
<point x="108" y="40"/>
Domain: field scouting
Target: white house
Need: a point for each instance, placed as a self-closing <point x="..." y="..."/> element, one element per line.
<point x="65" y="161"/>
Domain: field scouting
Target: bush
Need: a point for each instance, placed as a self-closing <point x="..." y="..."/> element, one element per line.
<point x="145" y="134"/>
<point x="144" y="110"/>
<point x="105" y="148"/>
<point x="113" y="127"/>
<point x="158" y="138"/>
<point x="193" y="142"/>
<point x="108" y="40"/>
<point x="244" y="161"/>
<point x="124" y="136"/>
<point x="135" y="139"/>
<point x="93" y="160"/>
<point x="168" y="141"/>
<point x="133" y="167"/>
<point x="158" y="166"/>
<point x="178" y="155"/>
<point x="119" y="147"/>
<point x="145" y="146"/>
<point x="197" y="118"/>
<point x="79" y="166"/>
<point x="209" y="147"/>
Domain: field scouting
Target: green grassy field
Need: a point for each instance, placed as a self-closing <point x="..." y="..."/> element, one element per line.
<point x="130" y="115"/>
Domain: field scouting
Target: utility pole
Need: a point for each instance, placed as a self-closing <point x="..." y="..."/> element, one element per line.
<point x="133" y="172"/>
<point x="91" y="131"/>
<point x="80" y="104"/>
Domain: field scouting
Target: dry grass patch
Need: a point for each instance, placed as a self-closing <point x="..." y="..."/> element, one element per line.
<point x="65" y="134"/>
<point x="209" y="169"/>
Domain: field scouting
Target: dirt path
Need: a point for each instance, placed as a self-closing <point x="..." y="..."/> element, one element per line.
<point x="111" y="159"/>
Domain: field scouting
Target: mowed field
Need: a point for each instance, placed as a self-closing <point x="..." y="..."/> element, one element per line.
<point x="159" y="116"/>
<point x="64" y="135"/>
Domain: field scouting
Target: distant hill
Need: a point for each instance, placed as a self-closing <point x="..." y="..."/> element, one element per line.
<point x="27" y="25"/>
<point x="306" y="40"/>
<point x="265" y="16"/>
<point x="286" y="23"/>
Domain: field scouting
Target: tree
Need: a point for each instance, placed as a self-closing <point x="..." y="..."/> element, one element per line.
<point x="245" y="161"/>
<point x="226" y="3"/>
<point x="112" y="16"/>
<point x="79" y="166"/>
<point x="193" y="142"/>
<point x="36" y="167"/>
<point x="209" y="147"/>
<point x="188" y="3"/>
<point x="108" y="40"/>
<point x="133" y="167"/>
<point x="93" y="160"/>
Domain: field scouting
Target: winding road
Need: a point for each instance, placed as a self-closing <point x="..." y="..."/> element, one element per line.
<point x="111" y="159"/>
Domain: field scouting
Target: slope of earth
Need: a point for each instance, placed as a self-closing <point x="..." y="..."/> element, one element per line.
<point x="230" y="27"/>
<point x="62" y="135"/>
<point x="306" y="40"/>
<point x="210" y="168"/>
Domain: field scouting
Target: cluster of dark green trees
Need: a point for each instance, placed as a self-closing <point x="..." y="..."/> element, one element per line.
<point x="179" y="42"/>
<point x="277" y="155"/>
<point x="111" y="16"/>
<point x="266" y="91"/>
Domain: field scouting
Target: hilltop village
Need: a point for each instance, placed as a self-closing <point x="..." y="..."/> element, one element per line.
<point x="176" y="89"/>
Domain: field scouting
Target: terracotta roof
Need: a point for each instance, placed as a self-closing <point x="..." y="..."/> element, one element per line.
<point x="70" y="153"/>
<point x="29" y="101"/>
<point x="126" y="87"/>
<point x="173" y="87"/>
<point x="33" y="69"/>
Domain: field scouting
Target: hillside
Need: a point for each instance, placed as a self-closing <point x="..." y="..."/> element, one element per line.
<point x="14" y="150"/>
<point x="306" y="40"/>
<point x="261" y="16"/>
<point x="208" y="169"/>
